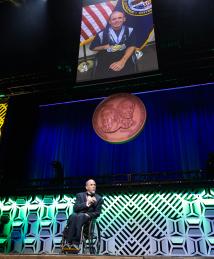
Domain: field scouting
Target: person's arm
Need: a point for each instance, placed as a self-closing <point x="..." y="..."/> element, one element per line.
<point x="97" y="209"/>
<point x="119" y="65"/>
<point x="100" y="48"/>
<point x="97" y="44"/>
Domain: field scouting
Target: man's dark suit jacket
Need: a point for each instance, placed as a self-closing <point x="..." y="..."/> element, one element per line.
<point x="80" y="205"/>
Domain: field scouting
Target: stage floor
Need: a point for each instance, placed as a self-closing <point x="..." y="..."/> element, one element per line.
<point x="57" y="256"/>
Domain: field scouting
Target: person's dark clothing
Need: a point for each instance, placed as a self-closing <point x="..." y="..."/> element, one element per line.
<point x="125" y="38"/>
<point x="81" y="215"/>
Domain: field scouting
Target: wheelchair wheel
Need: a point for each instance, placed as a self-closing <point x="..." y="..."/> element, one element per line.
<point x="89" y="242"/>
<point x="91" y="238"/>
<point x="94" y="238"/>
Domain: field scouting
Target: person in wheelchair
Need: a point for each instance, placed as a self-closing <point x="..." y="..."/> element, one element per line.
<point x="87" y="207"/>
<point x="115" y="47"/>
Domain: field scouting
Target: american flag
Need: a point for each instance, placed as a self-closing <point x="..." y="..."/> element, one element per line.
<point x="94" y="19"/>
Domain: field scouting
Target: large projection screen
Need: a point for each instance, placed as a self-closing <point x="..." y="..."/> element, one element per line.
<point x="117" y="39"/>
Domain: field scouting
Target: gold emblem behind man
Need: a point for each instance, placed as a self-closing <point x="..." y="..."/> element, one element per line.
<point x="119" y="118"/>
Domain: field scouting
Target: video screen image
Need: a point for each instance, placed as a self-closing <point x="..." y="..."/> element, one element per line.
<point x="117" y="39"/>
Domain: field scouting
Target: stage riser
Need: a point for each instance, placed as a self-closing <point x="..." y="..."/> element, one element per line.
<point x="2" y="256"/>
<point x="168" y="223"/>
<point x="95" y="257"/>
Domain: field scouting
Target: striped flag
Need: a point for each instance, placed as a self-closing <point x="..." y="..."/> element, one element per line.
<point x="94" y="19"/>
<point x="95" y="16"/>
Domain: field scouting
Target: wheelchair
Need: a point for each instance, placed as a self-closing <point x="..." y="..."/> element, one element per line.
<point x="89" y="242"/>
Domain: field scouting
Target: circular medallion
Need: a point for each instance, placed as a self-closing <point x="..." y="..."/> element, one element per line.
<point x="119" y="118"/>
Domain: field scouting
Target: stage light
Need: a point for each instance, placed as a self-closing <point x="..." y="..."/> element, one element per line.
<point x="41" y="203"/>
<point x="16" y="3"/>
<point x="13" y="205"/>
<point x="1" y="204"/>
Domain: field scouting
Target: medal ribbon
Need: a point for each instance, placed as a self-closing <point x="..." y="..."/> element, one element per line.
<point x="114" y="36"/>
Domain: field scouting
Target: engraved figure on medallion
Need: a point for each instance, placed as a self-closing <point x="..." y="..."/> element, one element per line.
<point x="109" y="119"/>
<point x="126" y="110"/>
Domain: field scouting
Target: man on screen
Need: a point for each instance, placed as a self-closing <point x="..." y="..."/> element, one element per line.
<point x="115" y="47"/>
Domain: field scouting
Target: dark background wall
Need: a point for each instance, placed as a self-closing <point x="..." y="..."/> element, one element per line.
<point x="41" y="36"/>
<point x="174" y="145"/>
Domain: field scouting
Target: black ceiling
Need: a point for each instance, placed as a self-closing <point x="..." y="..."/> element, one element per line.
<point x="39" y="49"/>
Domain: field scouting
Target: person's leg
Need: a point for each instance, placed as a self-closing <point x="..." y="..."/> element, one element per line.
<point x="81" y="220"/>
<point x="72" y="221"/>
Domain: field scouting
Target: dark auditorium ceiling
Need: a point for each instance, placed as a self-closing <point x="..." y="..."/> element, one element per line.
<point x="185" y="47"/>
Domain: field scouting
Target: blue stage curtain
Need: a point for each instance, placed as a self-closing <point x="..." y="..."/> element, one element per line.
<point x="178" y="135"/>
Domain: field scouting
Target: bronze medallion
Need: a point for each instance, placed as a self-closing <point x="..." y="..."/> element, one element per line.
<point x="119" y="118"/>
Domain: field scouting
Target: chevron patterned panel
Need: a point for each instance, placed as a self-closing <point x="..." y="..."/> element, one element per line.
<point x="3" y="110"/>
<point x="163" y="222"/>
